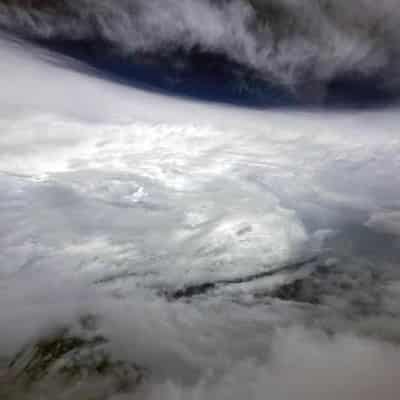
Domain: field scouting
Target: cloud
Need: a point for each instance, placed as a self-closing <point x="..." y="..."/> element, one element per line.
<point x="282" y="41"/>
<point x="304" y="366"/>
<point x="110" y="195"/>
<point x="386" y="222"/>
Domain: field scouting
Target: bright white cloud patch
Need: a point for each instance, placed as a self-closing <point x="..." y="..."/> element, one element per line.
<point x="113" y="201"/>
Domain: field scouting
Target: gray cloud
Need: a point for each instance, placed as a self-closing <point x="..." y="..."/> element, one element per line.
<point x="283" y="41"/>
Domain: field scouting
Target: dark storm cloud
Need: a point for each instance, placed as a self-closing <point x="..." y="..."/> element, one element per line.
<point x="284" y="41"/>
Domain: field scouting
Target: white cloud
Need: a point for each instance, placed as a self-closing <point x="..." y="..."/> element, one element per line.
<point x="133" y="190"/>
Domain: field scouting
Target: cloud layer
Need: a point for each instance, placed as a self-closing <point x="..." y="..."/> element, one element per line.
<point x="111" y="197"/>
<point x="302" y="46"/>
